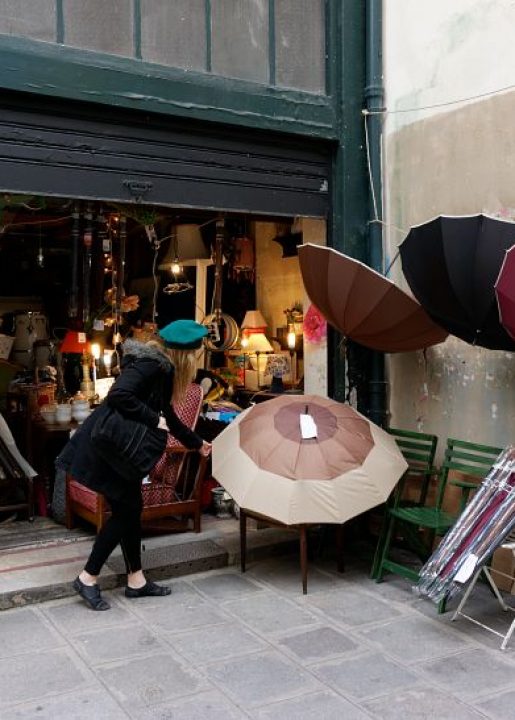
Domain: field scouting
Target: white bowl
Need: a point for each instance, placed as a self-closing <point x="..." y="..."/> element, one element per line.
<point x="48" y="416"/>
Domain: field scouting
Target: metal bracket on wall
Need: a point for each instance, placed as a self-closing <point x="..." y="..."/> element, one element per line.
<point x="138" y="188"/>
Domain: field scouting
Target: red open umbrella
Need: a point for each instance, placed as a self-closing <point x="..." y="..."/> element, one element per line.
<point x="505" y="292"/>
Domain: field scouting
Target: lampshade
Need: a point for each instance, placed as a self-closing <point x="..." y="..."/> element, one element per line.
<point x="257" y="342"/>
<point x="185" y="244"/>
<point x="75" y="342"/>
<point x="253" y="319"/>
<point x="277" y="365"/>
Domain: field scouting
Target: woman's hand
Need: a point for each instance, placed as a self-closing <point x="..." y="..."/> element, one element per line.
<point x="205" y="449"/>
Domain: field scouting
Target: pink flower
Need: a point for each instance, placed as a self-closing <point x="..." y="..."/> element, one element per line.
<point x="315" y="326"/>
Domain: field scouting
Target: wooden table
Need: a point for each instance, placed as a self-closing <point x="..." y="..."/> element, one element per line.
<point x="244" y="514"/>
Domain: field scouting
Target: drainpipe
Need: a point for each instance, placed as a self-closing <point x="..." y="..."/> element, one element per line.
<point x="374" y="100"/>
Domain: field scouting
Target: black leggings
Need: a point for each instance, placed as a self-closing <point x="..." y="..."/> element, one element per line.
<point x="124" y="527"/>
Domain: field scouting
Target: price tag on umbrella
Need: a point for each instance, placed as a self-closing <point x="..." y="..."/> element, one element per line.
<point x="467" y="568"/>
<point x="308" y="428"/>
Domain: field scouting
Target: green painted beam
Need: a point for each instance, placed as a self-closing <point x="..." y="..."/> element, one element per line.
<point x="348" y="220"/>
<point x="64" y="72"/>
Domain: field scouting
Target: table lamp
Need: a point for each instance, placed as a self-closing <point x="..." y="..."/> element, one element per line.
<point x="253" y="323"/>
<point x="277" y="366"/>
<point x="257" y="343"/>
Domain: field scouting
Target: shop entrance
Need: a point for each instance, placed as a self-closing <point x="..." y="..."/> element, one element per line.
<point x="112" y="229"/>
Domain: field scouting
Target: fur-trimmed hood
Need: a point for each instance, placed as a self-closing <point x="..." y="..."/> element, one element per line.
<point x="139" y="350"/>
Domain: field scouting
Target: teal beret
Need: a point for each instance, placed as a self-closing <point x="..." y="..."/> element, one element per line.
<point x="183" y="335"/>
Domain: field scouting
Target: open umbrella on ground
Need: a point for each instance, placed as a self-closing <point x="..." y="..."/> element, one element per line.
<point x="451" y="265"/>
<point x="505" y="292"/>
<point x="303" y="460"/>
<point x="266" y="463"/>
<point x="363" y="304"/>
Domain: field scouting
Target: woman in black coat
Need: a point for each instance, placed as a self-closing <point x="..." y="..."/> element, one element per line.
<point x="151" y="376"/>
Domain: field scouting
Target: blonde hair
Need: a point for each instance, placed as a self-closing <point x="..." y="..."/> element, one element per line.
<point x="185" y="364"/>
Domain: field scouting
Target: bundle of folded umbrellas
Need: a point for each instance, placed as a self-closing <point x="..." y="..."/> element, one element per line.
<point x="479" y="530"/>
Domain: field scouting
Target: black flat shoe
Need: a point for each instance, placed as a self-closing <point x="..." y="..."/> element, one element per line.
<point x="149" y="589"/>
<point x="91" y="594"/>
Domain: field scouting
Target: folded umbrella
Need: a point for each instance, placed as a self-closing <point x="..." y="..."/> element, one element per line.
<point x="451" y="265"/>
<point x="266" y="463"/>
<point x="364" y="305"/>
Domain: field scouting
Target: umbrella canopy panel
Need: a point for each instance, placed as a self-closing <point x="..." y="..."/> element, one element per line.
<point x="364" y="305"/>
<point x="343" y="440"/>
<point x="451" y="265"/>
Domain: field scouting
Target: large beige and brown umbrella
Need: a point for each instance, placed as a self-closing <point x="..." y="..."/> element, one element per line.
<point x="269" y="468"/>
<point x="364" y="305"/>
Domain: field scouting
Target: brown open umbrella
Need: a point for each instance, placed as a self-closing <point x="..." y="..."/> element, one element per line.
<point x="263" y="460"/>
<point x="364" y="305"/>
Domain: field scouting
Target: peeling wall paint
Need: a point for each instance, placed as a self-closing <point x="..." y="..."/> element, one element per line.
<point x="453" y="159"/>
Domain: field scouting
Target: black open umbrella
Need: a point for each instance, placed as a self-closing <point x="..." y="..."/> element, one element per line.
<point x="451" y="265"/>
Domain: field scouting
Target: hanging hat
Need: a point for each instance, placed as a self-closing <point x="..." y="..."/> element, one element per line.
<point x="183" y="335"/>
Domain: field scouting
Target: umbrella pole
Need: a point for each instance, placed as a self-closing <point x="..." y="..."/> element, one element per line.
<point x="304" y="558"/>
<point x="243" y="539"/>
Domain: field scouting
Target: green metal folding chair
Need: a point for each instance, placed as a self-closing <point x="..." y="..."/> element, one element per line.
<point x="468" y="458"/>
<point x="419" y="451"/>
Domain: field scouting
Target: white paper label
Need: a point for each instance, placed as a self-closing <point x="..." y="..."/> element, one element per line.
<point x="308" y="428"/>
<point x="81" y="337"/>
<point x="466" y="570"/>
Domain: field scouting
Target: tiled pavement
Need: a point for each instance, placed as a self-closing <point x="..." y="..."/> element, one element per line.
<point x="226" y="646"/>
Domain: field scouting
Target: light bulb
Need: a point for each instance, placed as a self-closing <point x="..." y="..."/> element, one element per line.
<point x="108" y="360"/>
<point x="291" y="340"/>
<point x="95" y="350"/>
<point x="176" y="268"/>
<point x="244" y="342"/>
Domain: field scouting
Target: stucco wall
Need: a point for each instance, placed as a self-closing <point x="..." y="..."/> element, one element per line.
<point x="456" y="158"/>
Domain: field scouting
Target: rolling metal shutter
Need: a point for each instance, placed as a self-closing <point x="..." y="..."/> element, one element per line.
<point x="74" y="150"/>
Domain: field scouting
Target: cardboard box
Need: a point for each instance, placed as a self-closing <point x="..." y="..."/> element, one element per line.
<point x="503" y="561"/>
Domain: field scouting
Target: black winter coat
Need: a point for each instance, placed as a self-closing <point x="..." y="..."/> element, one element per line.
<point x="142" y="392"/>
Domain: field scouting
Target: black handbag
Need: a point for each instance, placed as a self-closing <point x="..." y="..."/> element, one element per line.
<point x="129" y="447"/>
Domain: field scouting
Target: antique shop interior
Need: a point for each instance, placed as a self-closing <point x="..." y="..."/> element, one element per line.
<point x="78" y="277"/>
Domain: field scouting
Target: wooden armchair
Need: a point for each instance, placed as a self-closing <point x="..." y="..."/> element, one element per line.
<point x="175" y="486"/>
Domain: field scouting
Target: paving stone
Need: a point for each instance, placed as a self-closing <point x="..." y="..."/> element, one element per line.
<point x="322" y="705"/>
<point x="500" y="707"/>
<point x="177" y="616"/>
<point x="471" y="672"/>
<point x="225" y="586"/>
<point x="117" y="643"/>
<point x="220" y="642"/>
<point x="284" y="574"/>
<point x="90" y="704"/>
<point x="269" y="613"/>
<point x="353" y="608"/>
<point x="421" y="704"/>
<point x="318" y="644"/>
<point x="250" y="679"/>
<point x="25" y="630"/>
<point x="36" y="675"/>
<point x="74" y="616"/>
<point x="366" y="676"/>
<point x="147" y="682"/>
<point x="415" y="638"/>
<point x="205" y="706"/>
